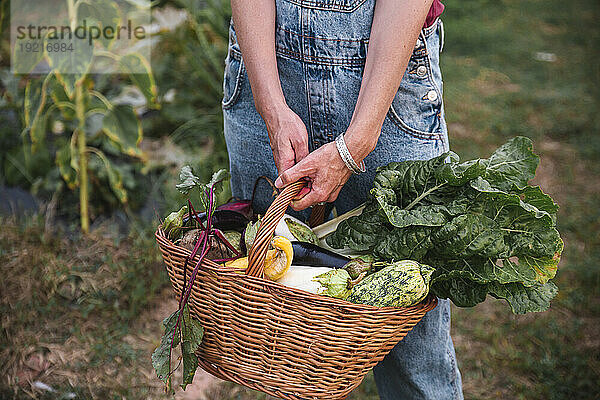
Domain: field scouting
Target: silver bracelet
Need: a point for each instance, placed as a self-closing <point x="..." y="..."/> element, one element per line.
<point x="340" y="143"/>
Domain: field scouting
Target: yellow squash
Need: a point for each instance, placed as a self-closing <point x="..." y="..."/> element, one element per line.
<point x="277" y="260"/>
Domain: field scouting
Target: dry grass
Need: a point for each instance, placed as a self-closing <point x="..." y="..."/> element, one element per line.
<point x="69" y="313"/>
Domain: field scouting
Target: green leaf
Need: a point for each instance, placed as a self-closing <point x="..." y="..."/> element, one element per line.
<point x="93" y="124"/>
<point x="469" y="235"/>
<point x="477" y="222"/>
<point x="410" y="243"/>
<point x="514" y="163"/>
<point x="462" y="291"/>
<point x="360" y="233"/>
<point x="115" y="179"/>
<point x="524" y="299"/>
<point x="174" y="222"/>
<point x="70" y="66"/>
<point x="161" y="357"/>
<point x="192" y="333"/>
<point x="300" y="231"/>
<point x="250" y="233"/>
<point x="23" y="61"/>
<point x="63" y="161"/>
<point x="100" y="13"/>
<point x="123" y="127"/>
<point x="189" y="334"/>
<point x="133" y="63"/>
<point x="67" y="81"/>
<point x="188" y="180"/>
<point x="61" y="98"/>
<point x="34" y="105"/>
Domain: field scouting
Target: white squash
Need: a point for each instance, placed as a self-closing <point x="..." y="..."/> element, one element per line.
<point x="301" y="277"/>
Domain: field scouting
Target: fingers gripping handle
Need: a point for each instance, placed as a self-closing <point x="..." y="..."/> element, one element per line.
<point x="268" y="223"/>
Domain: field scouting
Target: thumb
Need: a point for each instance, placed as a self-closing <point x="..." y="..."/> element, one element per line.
<point x="291" y="175"/>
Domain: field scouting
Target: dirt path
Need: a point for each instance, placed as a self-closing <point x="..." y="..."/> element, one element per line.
<point x="203" y="381"/>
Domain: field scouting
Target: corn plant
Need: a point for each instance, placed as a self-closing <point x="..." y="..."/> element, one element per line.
<point x="94" y="125"/>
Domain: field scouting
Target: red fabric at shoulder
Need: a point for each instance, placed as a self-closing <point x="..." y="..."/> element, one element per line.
<point x="435" y="11"/>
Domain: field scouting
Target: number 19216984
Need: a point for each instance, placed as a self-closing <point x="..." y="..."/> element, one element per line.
<point x="36" y="47"/>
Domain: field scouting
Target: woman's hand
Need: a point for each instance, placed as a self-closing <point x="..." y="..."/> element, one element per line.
<point x="288" y="137"/>
<point x="326" y="171"/>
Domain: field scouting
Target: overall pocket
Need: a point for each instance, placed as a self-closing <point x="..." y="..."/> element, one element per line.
<point x="233" y="77"/>
<point x="417" y="106"/>
<point x="329" y="5"/>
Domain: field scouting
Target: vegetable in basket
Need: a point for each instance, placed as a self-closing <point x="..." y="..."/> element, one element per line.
<point x="397" y="284"/>
<point x="180" y="328"/>
<point x="479" y="223"/>
<point x="277" y="261"/>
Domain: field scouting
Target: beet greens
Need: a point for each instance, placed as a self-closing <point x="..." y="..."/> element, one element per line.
<point x="180" y="328"/>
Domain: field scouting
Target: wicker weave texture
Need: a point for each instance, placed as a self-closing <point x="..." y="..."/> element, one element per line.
<point x="283" y="341"/>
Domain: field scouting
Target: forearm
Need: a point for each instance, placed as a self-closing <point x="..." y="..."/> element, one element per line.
<point x="396" y="26"/>
<point x="254" y="23"/>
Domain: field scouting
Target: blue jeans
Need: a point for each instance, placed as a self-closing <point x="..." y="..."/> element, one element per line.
<point x="321" y="49"/>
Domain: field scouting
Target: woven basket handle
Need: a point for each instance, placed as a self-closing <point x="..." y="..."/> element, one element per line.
<point x="258" y="252"/>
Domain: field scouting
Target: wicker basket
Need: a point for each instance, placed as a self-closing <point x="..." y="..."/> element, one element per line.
<point x="279" y="340"/>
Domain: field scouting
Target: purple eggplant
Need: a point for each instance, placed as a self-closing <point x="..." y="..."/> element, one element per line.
<point x="312" y="255"/>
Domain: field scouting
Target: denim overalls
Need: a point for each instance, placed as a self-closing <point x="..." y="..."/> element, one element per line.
<point x="321" y="48"/>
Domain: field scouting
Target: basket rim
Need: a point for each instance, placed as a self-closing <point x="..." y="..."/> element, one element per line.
<point x="428" y="303"/>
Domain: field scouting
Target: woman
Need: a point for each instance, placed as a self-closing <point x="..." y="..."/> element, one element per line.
<point x="297" y="77"/>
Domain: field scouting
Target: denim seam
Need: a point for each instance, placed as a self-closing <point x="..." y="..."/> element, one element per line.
<point x="324" y="38"/>
<point x="431" y="28"/>
<point x="235" y="53"/>
<point x="227" y="104"/>
<point x="311" y="134"/>
<point x="323" y="60"/>
<point x="329" y="108"/>
<point x="325" y="113"/>
<point x="453" y="375"/>
<point x="320" y="6"/>
<point x="430" y="72"/>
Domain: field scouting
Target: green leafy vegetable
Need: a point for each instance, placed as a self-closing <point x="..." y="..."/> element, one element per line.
<point x="189" y="336"/>
<point x="478" y="222"/>
<point x="174" y="222"/>
<point x="188" y="180"/>
<point x="250" y="233"/>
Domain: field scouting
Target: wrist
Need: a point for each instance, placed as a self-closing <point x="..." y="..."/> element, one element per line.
<point x="361" y="142"/>
<point x="271" y="108"/>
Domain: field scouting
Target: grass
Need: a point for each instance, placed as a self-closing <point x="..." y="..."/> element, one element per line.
<point x="69" y="311"/>
<point x="83" y="314"/>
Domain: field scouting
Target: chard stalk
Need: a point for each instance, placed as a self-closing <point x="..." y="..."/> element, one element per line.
<point x="330" y="226"/>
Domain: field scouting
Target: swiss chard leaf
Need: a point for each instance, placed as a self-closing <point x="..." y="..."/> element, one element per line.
<point x="524" y="299"/>
<point x="478" y="222"/>
<point x="514" y="163"/>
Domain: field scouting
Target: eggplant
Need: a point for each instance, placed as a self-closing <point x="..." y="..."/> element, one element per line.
<point x="312" y="255"/>
<point x="225" y="220"/>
